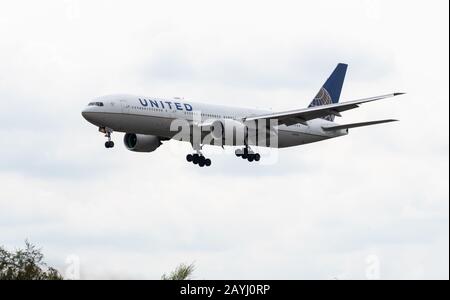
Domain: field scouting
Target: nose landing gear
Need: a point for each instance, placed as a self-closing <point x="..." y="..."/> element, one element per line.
<point x="107" y="132"/>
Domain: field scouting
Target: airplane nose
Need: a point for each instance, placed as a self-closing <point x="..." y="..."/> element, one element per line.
<point x="84" y="113"/>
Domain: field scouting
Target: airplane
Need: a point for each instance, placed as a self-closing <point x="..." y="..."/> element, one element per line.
<point x="149" y="121"/>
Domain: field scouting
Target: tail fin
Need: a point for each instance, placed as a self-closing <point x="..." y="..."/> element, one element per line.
<point x="331" y="90"/>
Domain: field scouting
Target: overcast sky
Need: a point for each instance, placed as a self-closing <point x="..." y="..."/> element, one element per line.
<point x="377" y="199"/>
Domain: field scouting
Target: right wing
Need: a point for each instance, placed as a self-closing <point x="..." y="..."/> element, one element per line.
<point x="303" y="115"/>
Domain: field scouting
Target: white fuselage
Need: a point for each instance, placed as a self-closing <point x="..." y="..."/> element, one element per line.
<point x="154" y="116"/>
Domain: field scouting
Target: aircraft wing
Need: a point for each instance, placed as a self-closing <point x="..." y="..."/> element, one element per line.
<point x="303" y="115"/>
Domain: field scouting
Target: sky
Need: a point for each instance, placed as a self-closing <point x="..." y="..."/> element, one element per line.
<point x="370" y="205"/>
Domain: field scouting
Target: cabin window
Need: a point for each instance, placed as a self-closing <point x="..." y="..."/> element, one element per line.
<point x="95" y="104"/>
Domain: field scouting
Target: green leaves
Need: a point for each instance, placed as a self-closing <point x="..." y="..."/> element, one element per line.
<point x="182" y="272"/>
<point x="25" y="264"/>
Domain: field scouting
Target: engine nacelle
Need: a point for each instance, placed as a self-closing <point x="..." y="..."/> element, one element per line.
<point x="230" y="132"/>
<point x="141" y="142"/>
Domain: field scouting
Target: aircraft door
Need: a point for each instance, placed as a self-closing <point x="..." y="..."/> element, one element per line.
<point x="125" y="106"/>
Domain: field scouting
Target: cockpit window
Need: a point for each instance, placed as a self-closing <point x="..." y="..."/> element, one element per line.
<point x="95" y="104"/>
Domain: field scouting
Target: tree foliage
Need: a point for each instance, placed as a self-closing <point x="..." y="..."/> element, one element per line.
<point x="182" y="272"/>
<point x="25" y="264"/>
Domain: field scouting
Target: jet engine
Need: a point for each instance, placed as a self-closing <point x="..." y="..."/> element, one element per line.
<point x="141" y="142"/>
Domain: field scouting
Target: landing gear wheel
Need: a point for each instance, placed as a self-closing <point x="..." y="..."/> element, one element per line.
<point x="247" y="154"/>
<point x="195" y="159"/>
<point x="198" y="159"/>
<point x="109" y="144"/>
<point x="208" y="162"/>
<point x="107" y="132"/>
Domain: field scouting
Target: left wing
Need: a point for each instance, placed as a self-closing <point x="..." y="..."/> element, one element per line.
<point x="303" y="115"/>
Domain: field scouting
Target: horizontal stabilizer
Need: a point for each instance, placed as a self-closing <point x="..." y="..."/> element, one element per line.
<point x="354" y="125"/>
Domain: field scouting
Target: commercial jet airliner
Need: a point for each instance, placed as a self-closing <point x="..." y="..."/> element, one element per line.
<point x="149" y="121"/>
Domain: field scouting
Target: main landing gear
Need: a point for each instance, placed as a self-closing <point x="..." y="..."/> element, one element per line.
<point x="248" y="154"/>
<point x="107" y="132"/>
<point x="198" y="159"/>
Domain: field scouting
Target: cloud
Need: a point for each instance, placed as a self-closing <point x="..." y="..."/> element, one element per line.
<point x="318" y="213"/>
<point x="242" y="67"/>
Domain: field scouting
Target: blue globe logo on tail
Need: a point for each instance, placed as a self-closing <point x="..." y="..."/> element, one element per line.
<point x="330" y="92"/>
<point x="323" y="98"/>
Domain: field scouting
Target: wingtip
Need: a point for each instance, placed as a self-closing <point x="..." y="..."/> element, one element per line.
<point x="399" y="94"/>
<point x="389" y="120"/>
